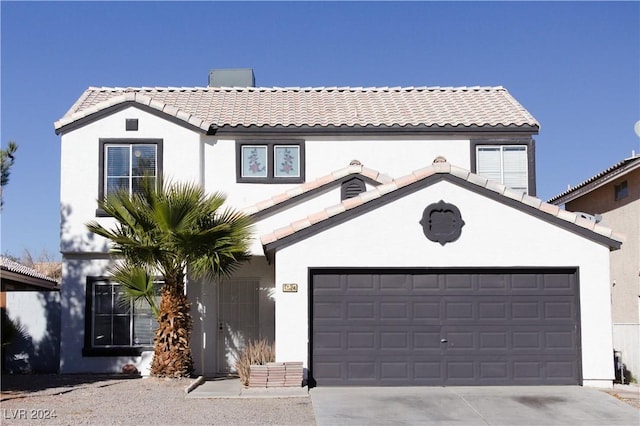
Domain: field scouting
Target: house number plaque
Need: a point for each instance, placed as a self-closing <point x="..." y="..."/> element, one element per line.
<point x="289" y="288"/>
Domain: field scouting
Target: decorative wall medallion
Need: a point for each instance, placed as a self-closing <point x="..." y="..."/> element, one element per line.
<point x="441" y="222"/>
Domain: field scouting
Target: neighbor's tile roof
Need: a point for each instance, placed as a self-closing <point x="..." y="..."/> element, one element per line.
<point x="434" y="169"/>
<point x="618" y="169"/>
<point x="9" y="265"/>
<point x="215" y="107"/>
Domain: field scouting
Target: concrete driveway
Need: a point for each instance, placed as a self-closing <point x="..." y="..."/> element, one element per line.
<point x="539" y="405"/>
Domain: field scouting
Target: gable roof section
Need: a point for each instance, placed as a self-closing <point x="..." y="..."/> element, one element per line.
<point x="386" y="193"/>
<point x="306" y="190"/>
<point x="613" y="172"/>
<point x="19" y="275"/>
<point x="213" y="109"/>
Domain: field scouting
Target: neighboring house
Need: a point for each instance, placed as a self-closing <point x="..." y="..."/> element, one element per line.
<point x="398" y="240"/>
<point x="32" y="301"/>
<point x="614" y="196"/>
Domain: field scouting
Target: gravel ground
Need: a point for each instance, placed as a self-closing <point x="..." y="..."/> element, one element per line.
<point x="121" y="400"/>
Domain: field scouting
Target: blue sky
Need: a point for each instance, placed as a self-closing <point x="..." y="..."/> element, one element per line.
<point x="575" y="66"/>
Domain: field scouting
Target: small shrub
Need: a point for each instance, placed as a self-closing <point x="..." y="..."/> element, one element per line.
<point x="255" y="353"/>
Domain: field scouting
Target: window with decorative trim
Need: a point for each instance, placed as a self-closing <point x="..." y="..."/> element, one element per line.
<point x="114" y="326"/>
<point x="281" y="161"/>
<point x="506" y="164"/>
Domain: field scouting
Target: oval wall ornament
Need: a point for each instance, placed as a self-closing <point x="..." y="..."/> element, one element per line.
<point x="442" y="222"/>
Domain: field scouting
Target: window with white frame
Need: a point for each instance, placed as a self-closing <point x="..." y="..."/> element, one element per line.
<point x="125" y="163"/>
<point x="112" y="322"/>
<point x="506" y="164"/>
<point x="270" y="161"/>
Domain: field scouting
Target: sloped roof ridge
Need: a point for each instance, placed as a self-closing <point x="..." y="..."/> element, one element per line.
<point x="18" y="268"/>
<point x="618" y="165"/>
<point x="131" y="96"/>
<point x="389" y="108"/>
<point x="294" y="88"/>
<point x="440" y="168"/>
<point x="355" y="168"/>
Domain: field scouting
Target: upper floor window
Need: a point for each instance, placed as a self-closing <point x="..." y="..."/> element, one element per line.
<point x="270" y="161"/>
<point x="621" y="191"/>
<point x="124" y="163"/>
<point x="507" y="164"/>
<point x="113" y="325"/>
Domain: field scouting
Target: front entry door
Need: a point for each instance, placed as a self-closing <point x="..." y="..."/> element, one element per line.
<point x="237" y="320"/>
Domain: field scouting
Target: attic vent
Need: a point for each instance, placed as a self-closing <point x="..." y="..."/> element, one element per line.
<point x="351" y="188"/>
<point x="238" y="77"/>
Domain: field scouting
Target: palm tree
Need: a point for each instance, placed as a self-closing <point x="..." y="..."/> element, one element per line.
<point x="167" y="231"/>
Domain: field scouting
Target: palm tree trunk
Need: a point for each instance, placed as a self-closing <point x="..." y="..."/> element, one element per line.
<point x="172" y="351"/>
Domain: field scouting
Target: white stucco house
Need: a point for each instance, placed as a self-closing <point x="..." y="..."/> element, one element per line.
<point x="398" y="237"/>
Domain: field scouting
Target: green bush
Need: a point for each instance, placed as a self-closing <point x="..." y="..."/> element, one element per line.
<point x="255" y="353"/>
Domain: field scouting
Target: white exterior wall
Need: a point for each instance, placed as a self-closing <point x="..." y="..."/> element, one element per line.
<point x="188" y="155"/>
<point x="38" y="313"/>
<point x="205" y="336"/>
<point x="80" y="169"/>
<point x="393" y="157"/>
<point x="494" y="235"/>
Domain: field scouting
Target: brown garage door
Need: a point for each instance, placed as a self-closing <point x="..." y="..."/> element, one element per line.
<point x="444" y="327"/>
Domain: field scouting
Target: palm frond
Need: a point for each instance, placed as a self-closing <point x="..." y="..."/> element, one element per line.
<point x="138" y="283"/>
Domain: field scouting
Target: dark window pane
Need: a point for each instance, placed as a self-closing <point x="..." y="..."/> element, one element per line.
<point x="115" y="184"/>
<point x="102" y="330"/>
<point x="143" y="160"/>
<point x="136" y="184"/>
<point x="117" y="161"/>
<point x="102" y="299"/>
<point x="117" y="322"/>
<point x="121" y="330"/>
<point x="121" y="305"/>
<point x="621" y="191"/>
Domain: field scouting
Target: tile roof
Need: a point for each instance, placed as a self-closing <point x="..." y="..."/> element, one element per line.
<point x="596" y="181"/>
<point x="9" y="265"/>
<point x="444" y="168"/>
<point x="355" y="168"/>
<point x="238" y="107"/>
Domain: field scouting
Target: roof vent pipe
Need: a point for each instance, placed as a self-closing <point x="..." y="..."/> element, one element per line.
<point x="232" y="77"/>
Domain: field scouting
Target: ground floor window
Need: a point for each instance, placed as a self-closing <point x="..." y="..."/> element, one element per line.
<point x="114" y="325"/>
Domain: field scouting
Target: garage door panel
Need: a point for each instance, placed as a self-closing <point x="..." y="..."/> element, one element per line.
<point x="394" y="310"/>
<point x="360" y="282"/>
<point x="458" y="282"/>
<point x="427" y="340"/>
<point x="559" y="310"/>
<point x="425" y="283"/>
<point x="490" y="310"/>
<point x="559" y="340"/>
<point x="493" y="370"/>
<point x="558" y="282"/>
<point x="426" y="310"/>
<point x="394" y="283"/>
<point x="361" y="340"/>
<point x="445" y="329"/>
<point x="493" y="282"/>
<point x="458" y="310"/>
<point x="361" y="310"/>
<point x="494" y="340"/>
